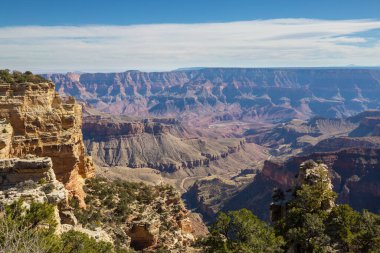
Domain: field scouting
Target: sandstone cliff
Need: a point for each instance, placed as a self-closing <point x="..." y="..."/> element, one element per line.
<point x="37" y="121"/>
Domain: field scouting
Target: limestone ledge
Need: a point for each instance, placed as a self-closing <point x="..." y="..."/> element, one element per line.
<point x="15" y="170"/>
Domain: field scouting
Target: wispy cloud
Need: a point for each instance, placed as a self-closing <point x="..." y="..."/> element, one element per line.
<point x="259" y="43"/>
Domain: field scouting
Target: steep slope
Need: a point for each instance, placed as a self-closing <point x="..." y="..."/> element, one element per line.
<point x="153" y="143"/>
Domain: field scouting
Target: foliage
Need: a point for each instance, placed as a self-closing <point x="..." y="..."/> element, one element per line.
<point x="367" y="238"/>
<point x="342" y="226"/>
<point x="241" y="231"/>
<point x="77" y="242"/>
<point x="32" y="229"/>
<point x="111" y="203"/>
<point x="28" y="229"/>
<point x="116" y="197"/>
<point x="312" y="223"/>
<point x="18" y="77"/>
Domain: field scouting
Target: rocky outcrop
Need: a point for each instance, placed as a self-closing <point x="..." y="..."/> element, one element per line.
<point x="310" y="173"/>
<point x="15" y="170"/>
<point x="100" y="128"/>
<point x="37" y="121"/>
<point x="146" y="218"/>
<point x="31" y="179"/>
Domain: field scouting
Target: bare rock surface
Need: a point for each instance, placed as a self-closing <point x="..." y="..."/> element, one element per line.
<point x="37" y="121"/>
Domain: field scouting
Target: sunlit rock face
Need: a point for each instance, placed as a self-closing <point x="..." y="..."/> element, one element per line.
<point x="35" y="120"/>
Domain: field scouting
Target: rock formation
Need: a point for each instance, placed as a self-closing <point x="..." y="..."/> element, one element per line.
<point x="144" y="217"/>
<point x="310" y="173"/>
<point x="153" y="143"/>
<point x="32" y="180"/>
<point x="37" y="121"/>
<point x="42" y="159"/>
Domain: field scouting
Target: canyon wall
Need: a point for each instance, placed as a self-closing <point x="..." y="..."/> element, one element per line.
<point x="153" y="143"/>
<point x="35" y="120"/>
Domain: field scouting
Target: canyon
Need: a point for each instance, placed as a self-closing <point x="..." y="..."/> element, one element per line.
<point x="185" y="143"/>
<point x="43" y="160"/>
<point x="224" y="136"/>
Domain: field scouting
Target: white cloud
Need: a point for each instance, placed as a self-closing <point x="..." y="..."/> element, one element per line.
<point x="259" y="43"/>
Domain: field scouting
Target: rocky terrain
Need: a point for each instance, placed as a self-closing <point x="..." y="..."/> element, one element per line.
<point x="37" y="121"/>
<point x="354" y="172"/>
<point x="43" y="160"/>
<point x="349" y="147"/>
<point x="143" y="217"/>
<point x="297" y="135"/>
<point x="202" y="130"/>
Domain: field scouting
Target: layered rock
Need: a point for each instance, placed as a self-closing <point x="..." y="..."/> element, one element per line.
<point x="240" y="93"/>
<point x="37" y="121"/>
<point x="298" y="135"/>
<point x="153" y="143"/>
<point x="32" y="180"/>
<point x="208" y="195"/>
<point x="369" y="124"/>
<point x="15" y="170"/>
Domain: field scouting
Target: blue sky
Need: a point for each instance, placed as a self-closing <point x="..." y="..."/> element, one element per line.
<point x="126" y="12"/>
<point x="60" y="36"/>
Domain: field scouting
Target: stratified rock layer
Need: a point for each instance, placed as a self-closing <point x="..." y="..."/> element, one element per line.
<point x="37" y="121"/>
<point x="150" y="143"/>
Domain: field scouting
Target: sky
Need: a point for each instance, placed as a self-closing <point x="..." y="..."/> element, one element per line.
<point x="159" y="35"/>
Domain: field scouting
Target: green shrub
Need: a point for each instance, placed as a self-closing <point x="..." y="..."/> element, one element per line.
<point x="48" y="188"/>
<point x="241" y="231"/>
<point x="32" y="229"/>
<point x="28" y="229"/>
<point x="18" y="77"/>
<point x="77" y="242"/>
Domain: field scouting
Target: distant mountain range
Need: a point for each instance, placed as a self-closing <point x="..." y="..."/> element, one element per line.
<point x="275" y="94"/>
